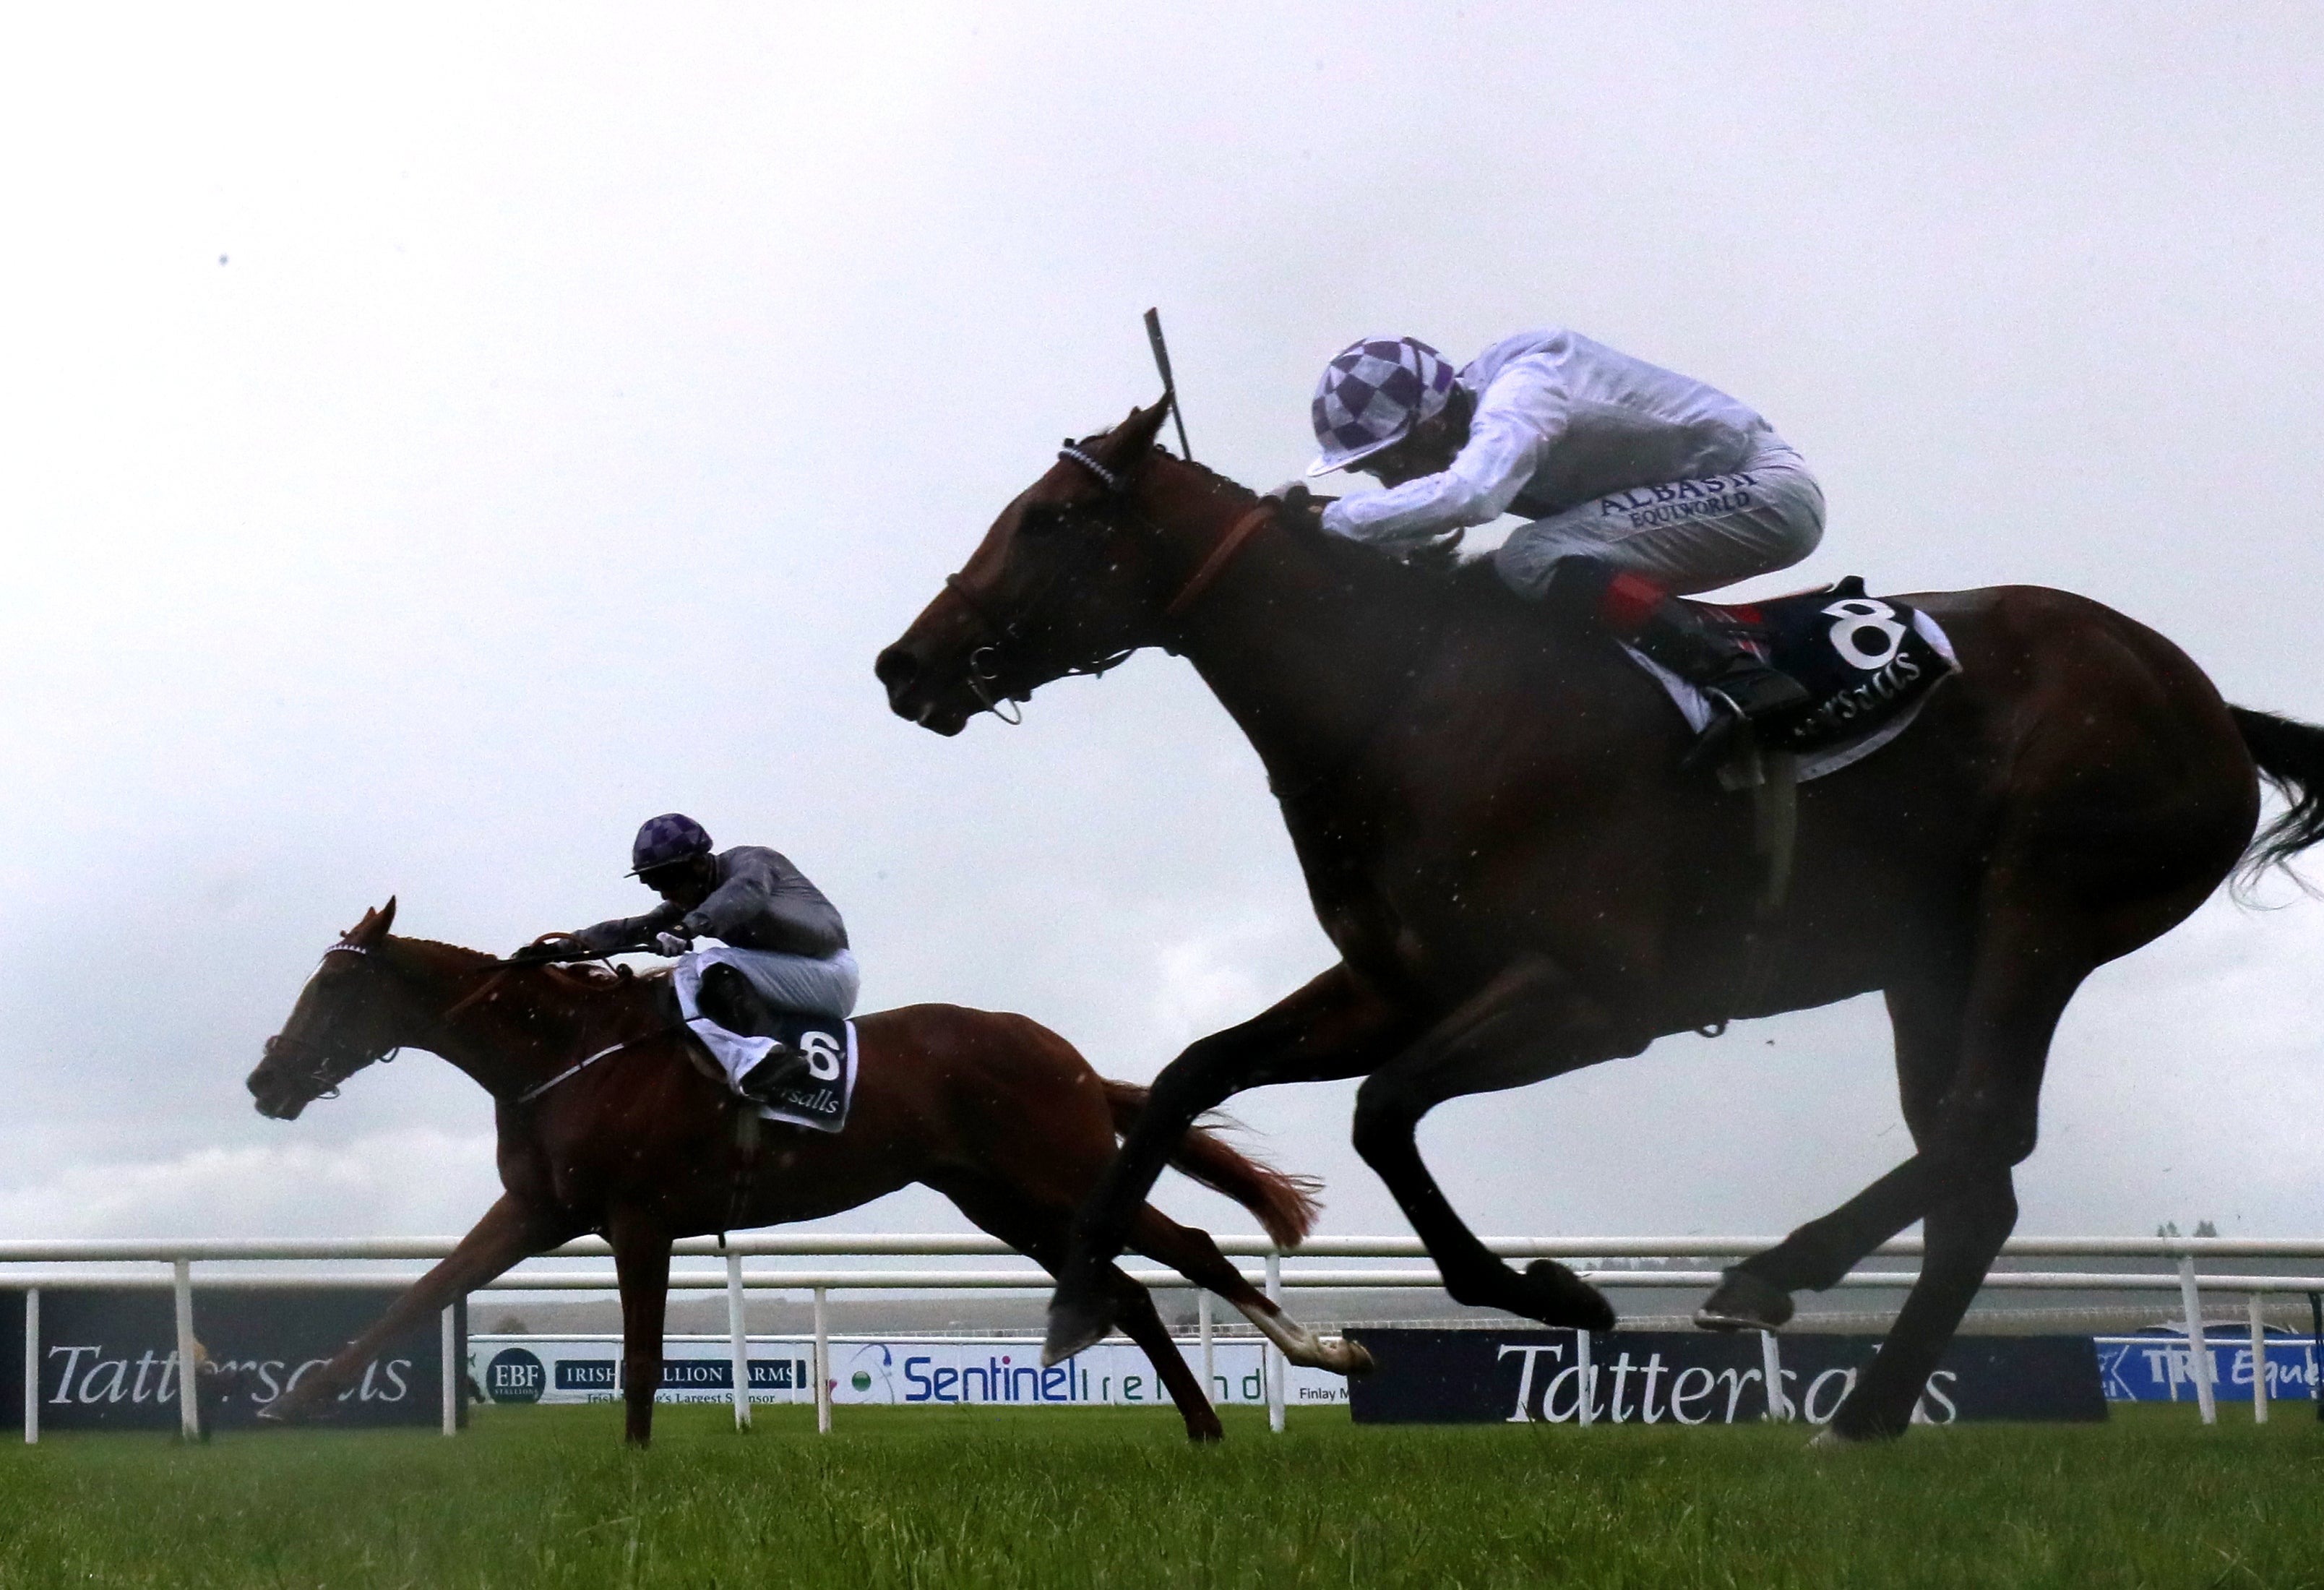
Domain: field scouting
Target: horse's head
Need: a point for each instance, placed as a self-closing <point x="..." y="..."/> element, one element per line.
<point x="1071" y="579"/>
<point x="342" y="1022"/>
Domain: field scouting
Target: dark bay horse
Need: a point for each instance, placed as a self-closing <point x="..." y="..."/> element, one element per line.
<point x="995" y="1112"/>
<point x="1497" y="838"/>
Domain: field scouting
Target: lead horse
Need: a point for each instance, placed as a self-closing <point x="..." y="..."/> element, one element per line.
<point x="606" y="1126"/>
<point x="1521" y="879"/>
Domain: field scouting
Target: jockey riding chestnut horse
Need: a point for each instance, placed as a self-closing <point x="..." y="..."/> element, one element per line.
<point x="607" y="1124"/>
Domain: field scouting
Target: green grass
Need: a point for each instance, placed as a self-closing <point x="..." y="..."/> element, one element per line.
<point x="912" y="1497"/>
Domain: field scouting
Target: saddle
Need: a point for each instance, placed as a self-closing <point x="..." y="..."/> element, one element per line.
<point x="1866" y="662"/>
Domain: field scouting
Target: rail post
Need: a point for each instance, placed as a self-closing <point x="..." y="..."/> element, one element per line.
<point x="31" y="1367"/>
<point x="738" y="1344"/>
<point x="1771" y="1368"/>
<point x="821" y="1366"/>
<point x="2316" y="1354"/>
<point x="449" y="1342"/>
<point x="2259" y="1361"/>
<point x="190" y="1412"/>
<point x="1203" y="1325"/>
<point x="1585" y="1377"/>
<point x="2199" y="1351"/>
<point x="1276" y="1369"/>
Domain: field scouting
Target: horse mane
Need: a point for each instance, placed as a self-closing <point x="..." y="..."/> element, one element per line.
<point x="1432" y="574"/>
<point x="579" y="980"/>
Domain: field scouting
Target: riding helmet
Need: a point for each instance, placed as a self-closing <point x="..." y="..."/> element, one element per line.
<point x="1372" y="393"/>
<point x="665" y="840"/>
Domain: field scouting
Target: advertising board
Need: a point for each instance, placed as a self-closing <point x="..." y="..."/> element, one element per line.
<point x="1693" y="1378"/>
<point x="937" y="1370"/>
<point x="2160" y="1368"/>
<point x="107" y="1356"/>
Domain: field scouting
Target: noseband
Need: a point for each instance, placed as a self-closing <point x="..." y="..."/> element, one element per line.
<point x="328" y="1072"/>
<point x="984" y="671"/>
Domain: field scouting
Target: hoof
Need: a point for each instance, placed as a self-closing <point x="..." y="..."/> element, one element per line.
<point x="1348" y="1358"/>
<point x="1074" y="1324"/>
<point x="1558" y="1296"/>
<point x="1209" y="1435"/>
<point x="1744" y="1302"/>
<point x="1832" y="1436"/>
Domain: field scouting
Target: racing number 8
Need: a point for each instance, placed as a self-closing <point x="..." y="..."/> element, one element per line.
<point x="1857" y="614"/>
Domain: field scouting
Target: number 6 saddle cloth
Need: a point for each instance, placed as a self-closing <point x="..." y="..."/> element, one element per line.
<point x="1866" y="662"/>
<point x="821" y="1095"/>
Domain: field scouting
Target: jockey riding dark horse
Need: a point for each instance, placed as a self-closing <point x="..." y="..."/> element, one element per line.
<point x="1640" y="485"/>
<point x="786" y="947"/>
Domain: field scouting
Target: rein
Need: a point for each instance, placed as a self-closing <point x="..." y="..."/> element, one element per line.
<point x="329" y="1074"/>
<point x="984" y="678"/>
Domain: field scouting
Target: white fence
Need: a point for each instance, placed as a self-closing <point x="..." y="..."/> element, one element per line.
<point x="34" y="1265"/>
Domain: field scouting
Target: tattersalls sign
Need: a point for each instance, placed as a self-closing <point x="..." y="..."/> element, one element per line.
<point x="107" y="1357"/>
<point x="1690" y="1378"/>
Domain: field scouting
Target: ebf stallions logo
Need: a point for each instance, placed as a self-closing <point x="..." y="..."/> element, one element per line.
<point x="514" y="1375"/>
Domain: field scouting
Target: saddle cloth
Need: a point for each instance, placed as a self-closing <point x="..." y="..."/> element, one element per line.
<point x="820" y="1100"/>
<point x="1866" y="662"/>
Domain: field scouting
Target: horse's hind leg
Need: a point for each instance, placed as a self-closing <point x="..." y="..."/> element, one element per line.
<point x="1189" y="1251"/>
<point x="1333" y="1027"/>
<point x="1985" y="1123"/>
<point x="1041" y="1234"/>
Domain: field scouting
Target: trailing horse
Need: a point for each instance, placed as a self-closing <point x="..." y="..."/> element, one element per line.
<point x="995" y="1112"/>
<point x="1521" y="880"/>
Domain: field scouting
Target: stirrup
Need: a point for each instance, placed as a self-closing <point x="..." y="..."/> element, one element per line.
<point x="762" y="1083"/>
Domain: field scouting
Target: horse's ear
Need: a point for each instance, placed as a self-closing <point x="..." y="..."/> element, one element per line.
<point x="373" y="925"/>
<point x="1133" y="438"/>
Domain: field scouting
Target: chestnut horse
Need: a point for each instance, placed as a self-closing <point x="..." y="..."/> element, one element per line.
<point x="1521" y="879"/>
<point x="995" y="1112"/>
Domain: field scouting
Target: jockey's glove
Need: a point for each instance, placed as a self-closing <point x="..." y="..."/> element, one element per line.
<point x="672" y="943"/>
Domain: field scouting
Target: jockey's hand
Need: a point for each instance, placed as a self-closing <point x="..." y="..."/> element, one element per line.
<point x="1301" y="505"/>
<point x="672" y="944"/>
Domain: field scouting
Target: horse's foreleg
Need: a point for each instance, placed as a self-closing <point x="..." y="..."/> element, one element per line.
<point x="642" y="1262"/>
<point x="1531" y="1021"/>
<point x="511" y="1230"/>
<point x="1756" y="1295"/>
<point x="1189" y="1251"/>
<point x="1333" y="1027"/>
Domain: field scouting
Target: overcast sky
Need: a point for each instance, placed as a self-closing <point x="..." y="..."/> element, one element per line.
<point x="431" y="445"/>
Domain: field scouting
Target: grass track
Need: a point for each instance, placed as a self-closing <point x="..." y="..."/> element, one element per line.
<point x="913" y="1497"/>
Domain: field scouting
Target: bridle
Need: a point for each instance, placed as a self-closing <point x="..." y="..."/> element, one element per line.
<point x="328" y="1072"/>
<point x="983" y="670"/>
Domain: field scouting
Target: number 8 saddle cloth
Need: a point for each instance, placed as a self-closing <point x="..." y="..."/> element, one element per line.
<point x="1866" y="662"/>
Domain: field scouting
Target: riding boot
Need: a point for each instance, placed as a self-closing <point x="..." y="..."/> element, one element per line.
<point x="1696" y="643"/>
<point x="765" y="1082"/>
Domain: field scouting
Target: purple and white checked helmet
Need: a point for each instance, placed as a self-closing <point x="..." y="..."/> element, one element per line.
<point x="1372" y="393"/>
<point x="663" y="840"/>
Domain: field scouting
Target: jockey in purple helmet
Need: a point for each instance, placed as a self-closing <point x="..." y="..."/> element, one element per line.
<point x="785" y="949"/>
<point x="1640" y="485"/>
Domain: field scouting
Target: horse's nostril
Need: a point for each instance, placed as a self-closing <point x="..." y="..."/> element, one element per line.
<point x="895" y="668"/>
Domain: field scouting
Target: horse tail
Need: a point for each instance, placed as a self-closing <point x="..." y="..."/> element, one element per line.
<point x="1286" y="1205"/>
<point x="2291" y="756"/>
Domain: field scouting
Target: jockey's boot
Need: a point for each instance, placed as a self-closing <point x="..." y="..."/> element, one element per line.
<point x="764" y="1083"/>
<point x="1696" y="643"/>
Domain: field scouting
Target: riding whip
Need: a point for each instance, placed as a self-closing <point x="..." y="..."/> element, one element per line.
<point x="1169" y="387"/>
